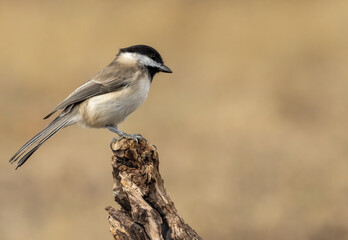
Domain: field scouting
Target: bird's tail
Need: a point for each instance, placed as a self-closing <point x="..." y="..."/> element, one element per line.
<point x="63" y="120"/>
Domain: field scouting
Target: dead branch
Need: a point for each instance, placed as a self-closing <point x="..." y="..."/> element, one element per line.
<point x="147" y="212"/>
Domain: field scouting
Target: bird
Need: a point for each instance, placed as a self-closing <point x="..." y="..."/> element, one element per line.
<point x="105" y="100"/>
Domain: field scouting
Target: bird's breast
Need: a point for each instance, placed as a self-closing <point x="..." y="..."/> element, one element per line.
<point x="113" y="108"/>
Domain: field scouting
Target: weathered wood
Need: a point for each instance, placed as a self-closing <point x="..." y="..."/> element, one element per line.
<point x="147" y="212"/>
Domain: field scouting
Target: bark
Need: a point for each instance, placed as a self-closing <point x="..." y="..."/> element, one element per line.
<point x="147" y="212"/>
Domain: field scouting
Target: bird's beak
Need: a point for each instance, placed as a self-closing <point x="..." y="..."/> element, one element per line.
<point x="164" y="68"/>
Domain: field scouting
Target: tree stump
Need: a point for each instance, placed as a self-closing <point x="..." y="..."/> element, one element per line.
<point x="147" y="212"/>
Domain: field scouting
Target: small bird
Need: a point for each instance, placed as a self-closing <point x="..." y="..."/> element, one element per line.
<point x="106" y="99"/>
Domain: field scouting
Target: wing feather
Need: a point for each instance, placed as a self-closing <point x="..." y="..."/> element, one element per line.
<point x="112" y="78"/>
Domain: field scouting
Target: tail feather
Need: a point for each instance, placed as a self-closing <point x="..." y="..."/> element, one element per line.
<point x="29" y="143"/>
<point x="57" y="124"/>
<point x="34" y="140"/>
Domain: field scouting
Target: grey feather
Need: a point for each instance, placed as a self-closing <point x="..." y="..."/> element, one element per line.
<point x="63" y="120"/>
<point x="112" y="78"/>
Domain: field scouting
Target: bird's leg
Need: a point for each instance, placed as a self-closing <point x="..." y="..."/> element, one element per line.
<point x="122" y="135"/>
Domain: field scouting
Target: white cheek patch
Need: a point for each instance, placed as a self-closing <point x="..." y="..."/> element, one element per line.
<point x="129" y="58"/>
<point x="136" y="57"/>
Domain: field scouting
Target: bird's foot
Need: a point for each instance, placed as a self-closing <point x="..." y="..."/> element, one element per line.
<point x="135" y="137"/>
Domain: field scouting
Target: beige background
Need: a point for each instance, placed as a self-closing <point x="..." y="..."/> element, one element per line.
<point x="251" y="127"/>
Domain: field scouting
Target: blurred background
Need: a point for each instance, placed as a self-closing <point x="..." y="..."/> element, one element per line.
<point x="251" y="127"/>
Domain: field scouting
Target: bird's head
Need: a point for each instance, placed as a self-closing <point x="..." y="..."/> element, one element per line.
<point x="146" y="56"/>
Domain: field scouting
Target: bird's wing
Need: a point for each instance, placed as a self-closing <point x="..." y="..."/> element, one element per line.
<point x="108" y="80"/>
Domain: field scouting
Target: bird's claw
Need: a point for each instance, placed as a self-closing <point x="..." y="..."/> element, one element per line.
<point x="115" y="139"/>
<point x="135" y="137"/>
